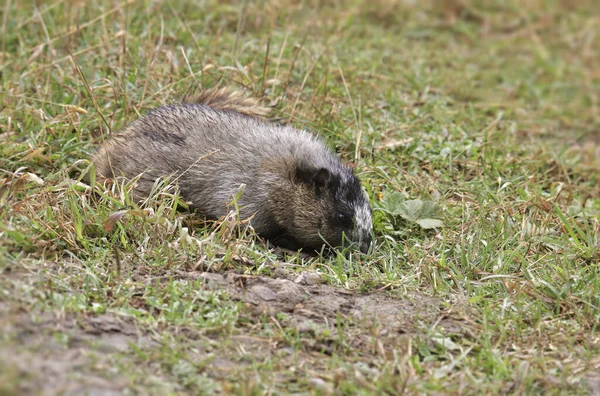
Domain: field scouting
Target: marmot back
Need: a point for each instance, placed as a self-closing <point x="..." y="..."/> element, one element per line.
<point x="298" y="193"/>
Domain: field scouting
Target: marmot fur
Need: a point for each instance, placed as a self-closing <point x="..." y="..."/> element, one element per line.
<point x="298" y="193"/>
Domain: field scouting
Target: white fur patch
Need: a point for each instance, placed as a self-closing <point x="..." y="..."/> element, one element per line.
<point x="364" y="221"/>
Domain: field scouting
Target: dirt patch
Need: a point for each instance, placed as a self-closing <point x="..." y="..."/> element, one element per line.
<point x="314" y="309"/>
<point x="304" y="298"/>
<point x="54" y="353"/>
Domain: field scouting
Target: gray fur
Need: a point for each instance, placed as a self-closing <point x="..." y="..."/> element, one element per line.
<point x="212" y="151"/>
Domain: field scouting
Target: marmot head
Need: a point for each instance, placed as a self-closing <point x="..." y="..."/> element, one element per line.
<point x="330" y="207"/>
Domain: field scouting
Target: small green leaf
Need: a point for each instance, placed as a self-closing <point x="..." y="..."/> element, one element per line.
<point x="430" y="223"/>
<point x="424" y="213"/>
<point x="392" y="203"/>
<point x="416" y="209"/>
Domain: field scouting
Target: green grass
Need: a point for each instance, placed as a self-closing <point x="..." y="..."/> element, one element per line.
<point x="490" y="109"/>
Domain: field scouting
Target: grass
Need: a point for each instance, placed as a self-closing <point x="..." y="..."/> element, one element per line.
<point x="490" y="109"/>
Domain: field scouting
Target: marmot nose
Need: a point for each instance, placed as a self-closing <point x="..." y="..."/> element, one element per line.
<point x="365" y="244"/>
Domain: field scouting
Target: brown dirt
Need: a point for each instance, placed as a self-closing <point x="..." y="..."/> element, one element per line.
<point x="47" y="363"/>
<point x="73" y="353"/>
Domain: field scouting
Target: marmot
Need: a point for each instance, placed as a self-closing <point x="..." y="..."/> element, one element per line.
<point x="298" y="193"/>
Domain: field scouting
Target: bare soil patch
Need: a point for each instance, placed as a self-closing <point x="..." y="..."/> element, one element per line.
<point x="71" y="353"/>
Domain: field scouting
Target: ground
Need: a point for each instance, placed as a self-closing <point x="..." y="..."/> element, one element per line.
<point x="484" y="112"/>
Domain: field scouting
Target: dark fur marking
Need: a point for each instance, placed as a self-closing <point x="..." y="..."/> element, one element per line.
<point x="163" y="136"/>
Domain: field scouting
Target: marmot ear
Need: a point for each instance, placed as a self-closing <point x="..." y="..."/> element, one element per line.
<point x="318" y="177"/>
<point x="322" y="178"/>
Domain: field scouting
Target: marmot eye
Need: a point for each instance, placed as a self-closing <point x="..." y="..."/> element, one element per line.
<point x="344" y="219"/>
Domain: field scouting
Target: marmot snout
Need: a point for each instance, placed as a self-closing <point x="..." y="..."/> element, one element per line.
<point x="298" y="193"/>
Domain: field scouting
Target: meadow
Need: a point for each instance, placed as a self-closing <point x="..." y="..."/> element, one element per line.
<point x="473" y="125"/>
